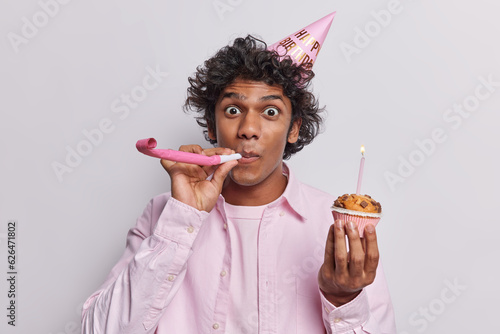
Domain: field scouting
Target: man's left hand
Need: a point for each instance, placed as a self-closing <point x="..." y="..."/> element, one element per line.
<point x="344" y="274"/>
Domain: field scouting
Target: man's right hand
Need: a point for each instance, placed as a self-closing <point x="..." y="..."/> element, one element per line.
<point x="189" y="182"/>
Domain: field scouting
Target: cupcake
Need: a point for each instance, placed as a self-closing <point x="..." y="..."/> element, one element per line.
<point x="361" y="209"/>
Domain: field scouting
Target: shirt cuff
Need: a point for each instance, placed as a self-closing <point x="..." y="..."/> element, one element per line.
<point x="179" y="222"/>
<point x="347" y="317"/>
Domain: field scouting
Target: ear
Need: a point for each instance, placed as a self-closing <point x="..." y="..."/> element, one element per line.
<point x="293" y="134"/>
<point x="211" y="133"/>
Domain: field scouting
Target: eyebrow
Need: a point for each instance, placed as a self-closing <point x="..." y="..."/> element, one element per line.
<point x="233" y="95"/>
<point x="243" y="97"/>
<point x="272" y="97"/>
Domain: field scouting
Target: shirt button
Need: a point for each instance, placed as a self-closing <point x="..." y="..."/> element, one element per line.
<point x="170" y="278"/>
<point x="215" y="326"/>
<point x="225" y="226"/>
<point x="337" y="320"/>
<point x="223" y="273"/>
<point x="327" y="310"/>
<point x="282" y="213"/>
<point x="190" y="229"/>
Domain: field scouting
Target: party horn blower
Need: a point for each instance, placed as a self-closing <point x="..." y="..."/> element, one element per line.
<point x="146" y="146"/>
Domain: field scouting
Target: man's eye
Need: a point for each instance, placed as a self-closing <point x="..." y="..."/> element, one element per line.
<point x="271" y="111"/>
<point x="232" y="110"/>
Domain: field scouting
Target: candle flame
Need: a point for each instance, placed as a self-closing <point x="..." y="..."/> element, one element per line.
<point x="362" y="150"/>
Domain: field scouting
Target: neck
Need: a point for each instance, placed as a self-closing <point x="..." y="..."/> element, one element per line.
<point x="259" y="194"/>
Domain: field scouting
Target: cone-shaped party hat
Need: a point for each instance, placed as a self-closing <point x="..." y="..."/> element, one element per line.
<point x="303" y="46"/>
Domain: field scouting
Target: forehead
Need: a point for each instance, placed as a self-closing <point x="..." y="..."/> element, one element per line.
<point x="248" y="88"/>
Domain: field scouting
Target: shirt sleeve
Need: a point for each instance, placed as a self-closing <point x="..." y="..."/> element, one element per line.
<point x="370" y="312"/>
<point x="147" y="276"/>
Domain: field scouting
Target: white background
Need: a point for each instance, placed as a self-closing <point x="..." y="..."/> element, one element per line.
<point x="440" y="226"/>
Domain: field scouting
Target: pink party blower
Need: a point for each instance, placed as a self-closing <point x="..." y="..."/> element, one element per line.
<point x="146" y="146"/>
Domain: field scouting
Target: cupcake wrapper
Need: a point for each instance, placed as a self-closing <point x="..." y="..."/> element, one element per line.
<point x="360" y="221"/>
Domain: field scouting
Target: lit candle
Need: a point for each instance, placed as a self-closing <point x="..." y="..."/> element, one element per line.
<point x="361" y="167"/>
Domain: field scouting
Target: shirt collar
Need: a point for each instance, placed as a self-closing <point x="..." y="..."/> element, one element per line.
<point x="292" y="195"/>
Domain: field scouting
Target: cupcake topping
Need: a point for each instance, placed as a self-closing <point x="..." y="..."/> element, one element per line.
<point x="339" y="204"/>
<point x="363" y="203"/>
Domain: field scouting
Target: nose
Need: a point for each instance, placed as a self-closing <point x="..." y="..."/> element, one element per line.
<point x="250" y="126"/>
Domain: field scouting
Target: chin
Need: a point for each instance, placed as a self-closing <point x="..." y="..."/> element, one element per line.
<point x="244" y="178"/>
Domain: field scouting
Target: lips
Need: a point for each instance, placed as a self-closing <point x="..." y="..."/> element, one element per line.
<point x="248" y="157"/>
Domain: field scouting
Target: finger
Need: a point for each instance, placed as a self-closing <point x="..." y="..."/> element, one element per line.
<point x="173" y="168"/>
<point x="221" y="173"/>
<point x="191" y="148"/>
<point x="217" y="150"/>
<point x="209" y="170"/>
<point x="340" y="248"/>
<point x="372" y="253"/>
<point x="167" y="164"/>
<point x="357" y="255"/>
<point x="199" y="150"/>
<point x="329" y="248"/>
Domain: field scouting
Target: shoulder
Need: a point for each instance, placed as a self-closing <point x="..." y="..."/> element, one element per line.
<point x="306" y="188"/>
<point x="305" y="195"/>
<point x="315" y="195"/>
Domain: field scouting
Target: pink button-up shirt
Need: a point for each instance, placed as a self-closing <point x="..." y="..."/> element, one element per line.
<point x="175" y="274"/>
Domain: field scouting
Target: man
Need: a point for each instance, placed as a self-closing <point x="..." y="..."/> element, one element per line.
<point x="240" y="247"/>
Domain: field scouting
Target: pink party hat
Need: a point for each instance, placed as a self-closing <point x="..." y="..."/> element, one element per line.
<point x="303" y="46"/>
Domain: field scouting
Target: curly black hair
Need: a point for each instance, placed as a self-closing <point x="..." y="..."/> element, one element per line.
<point x="248" y="58"/>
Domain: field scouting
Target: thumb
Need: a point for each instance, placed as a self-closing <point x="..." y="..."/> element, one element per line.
<point x="167" y="164"/>
<point x="221" y="173"/>
<point x="330" y="247"/>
